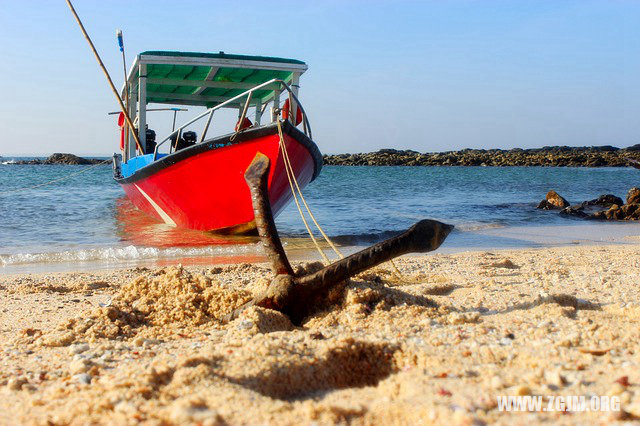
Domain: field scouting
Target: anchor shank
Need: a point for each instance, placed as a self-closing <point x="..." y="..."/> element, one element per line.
<point x="256" y="177"/>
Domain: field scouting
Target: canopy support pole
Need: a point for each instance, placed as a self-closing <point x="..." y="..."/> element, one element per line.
<point x="133" y="113"/>
<point x="295" y="85"/>
<point x="276" y="104"/>
<point x="142" y="107"/>
<point x="206" y="126"/>
<point x="258" y="113"/>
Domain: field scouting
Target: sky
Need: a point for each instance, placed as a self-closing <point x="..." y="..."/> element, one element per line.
<point x="422" y="75"/>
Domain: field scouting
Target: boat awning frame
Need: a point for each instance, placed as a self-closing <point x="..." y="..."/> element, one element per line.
<point x="210" y="80"/>
<point x="206" y="79"/>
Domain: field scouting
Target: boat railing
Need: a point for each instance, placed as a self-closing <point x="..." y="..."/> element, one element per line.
<point x="209" y="113"/>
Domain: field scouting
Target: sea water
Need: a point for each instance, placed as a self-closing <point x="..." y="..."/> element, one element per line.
<point x="84" y="220"/>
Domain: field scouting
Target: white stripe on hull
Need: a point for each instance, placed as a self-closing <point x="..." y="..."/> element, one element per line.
<point x="165" y="217"/>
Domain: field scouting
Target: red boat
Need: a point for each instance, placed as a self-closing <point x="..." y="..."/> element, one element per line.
<point x="197" y="182"/>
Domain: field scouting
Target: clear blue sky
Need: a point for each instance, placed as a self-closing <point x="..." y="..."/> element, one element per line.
<point x="429" y="76"/>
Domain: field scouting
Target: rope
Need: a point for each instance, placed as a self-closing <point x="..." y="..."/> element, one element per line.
<point x="289" y="167"/>
<point x="291" y="178"/>
<point x="106" y="74"/>
<point x="396" y="271"/>
<point x="55" y="180"/>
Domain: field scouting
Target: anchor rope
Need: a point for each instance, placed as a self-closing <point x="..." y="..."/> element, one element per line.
<point x="292" y="178"/>
<point x="55" y="180"/>
<point x="293" y="181"/>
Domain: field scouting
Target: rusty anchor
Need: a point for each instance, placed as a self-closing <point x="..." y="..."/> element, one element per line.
<point x="295" y="296"/>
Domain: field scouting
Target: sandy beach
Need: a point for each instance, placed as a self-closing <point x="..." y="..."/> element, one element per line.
<point x="436" y="346"/>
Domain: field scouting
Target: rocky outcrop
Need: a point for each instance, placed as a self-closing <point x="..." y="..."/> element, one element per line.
<point x="616" y="212"/>
<point x="633" y="196"/>
<point x="560" y="156"/>
<point x="553" y="201"/>
<point x="606" y="200"/>
<point x="66" y="159"/>
<point x="616" y="209"/>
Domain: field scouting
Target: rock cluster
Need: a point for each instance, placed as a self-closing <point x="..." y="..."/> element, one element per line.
<point x="59" y="158"/>
<point x="559" y="156"/>
<point x="617" y="209"/>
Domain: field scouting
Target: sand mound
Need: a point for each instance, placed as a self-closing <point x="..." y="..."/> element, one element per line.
<point x="171" y="299"/>
<point x="373" y="303"/>
<point x="256" y="320"/>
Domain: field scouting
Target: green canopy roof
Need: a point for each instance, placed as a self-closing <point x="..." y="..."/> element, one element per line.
<point x="208" y="79"/>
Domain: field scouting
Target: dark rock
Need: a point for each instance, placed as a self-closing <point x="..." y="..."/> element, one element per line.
<point x="596" y="162"/>
<point x="553" y="201"/>
<point x="605" y="148"/>
<point x="614" y="212"/>
<point x="606" y="200"/>
<point x="575" y="211"/>
<point x="545" y="205"/>
<point x="629" y="211"/>
<point x="59" y="158"/>
<point x="633" y="196"/>
<point x="633" y="148"/>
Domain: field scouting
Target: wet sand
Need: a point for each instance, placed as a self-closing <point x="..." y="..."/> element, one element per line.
<point x="436" y="345"/>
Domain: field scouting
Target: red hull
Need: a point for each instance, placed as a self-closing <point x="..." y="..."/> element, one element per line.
<point x="207" y="191"/>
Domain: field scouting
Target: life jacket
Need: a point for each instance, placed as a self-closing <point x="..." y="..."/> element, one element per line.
<point x="286" y="109"/>
<point x="121" y="124"/>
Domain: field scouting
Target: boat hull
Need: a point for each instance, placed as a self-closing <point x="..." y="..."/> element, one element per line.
<point x="203" y="187"/>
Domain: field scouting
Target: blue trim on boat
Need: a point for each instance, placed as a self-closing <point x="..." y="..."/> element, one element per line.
<point x="136" y="163"/>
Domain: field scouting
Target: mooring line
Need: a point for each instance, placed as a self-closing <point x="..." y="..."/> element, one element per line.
<point x="55" y="180"/>
<point x="292" y="180"/>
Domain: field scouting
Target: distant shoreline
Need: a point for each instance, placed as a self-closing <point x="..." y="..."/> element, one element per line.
<point x="548" y="156"/>
<point x="551" y="156"/>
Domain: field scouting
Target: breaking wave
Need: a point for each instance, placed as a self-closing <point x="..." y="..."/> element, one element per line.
<point x="127" y="254"/>
<point x="478" y="226"/>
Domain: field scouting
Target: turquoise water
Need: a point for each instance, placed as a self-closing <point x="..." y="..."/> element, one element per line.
<point x="86" y="220"/>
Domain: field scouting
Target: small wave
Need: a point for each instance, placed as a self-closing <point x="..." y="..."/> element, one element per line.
<point x="8" y="162"/>
<point x="128" y="253"/>
<point x="478" y="226"/>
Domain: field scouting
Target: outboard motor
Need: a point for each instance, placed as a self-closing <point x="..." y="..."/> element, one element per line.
<point x="188" y="139"/>
<point x="150" y="142"/>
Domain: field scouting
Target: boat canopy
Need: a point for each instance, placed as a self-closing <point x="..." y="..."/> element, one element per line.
<point x="206" y="79"/>
<point x="210" y="80"/>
